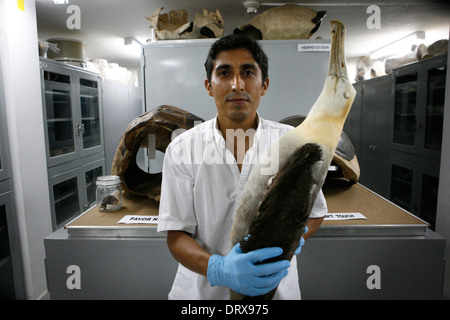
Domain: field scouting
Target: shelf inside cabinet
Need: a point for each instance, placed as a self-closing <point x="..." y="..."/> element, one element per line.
<point x="401" y="186"/>
<point x="65" y="195"/>
<point x="56" y="77"/>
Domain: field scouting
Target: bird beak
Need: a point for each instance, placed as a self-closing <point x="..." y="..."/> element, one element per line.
<point x="338" y="66"/>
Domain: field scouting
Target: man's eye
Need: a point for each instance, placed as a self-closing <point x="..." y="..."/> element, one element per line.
<point x="249" y="72"/>
<point x="223" y="73"/>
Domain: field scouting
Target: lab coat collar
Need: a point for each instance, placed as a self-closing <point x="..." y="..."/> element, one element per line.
<point x="220" y="140"/>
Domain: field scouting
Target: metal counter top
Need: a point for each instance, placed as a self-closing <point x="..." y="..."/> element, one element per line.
<point x="383" y="217"/>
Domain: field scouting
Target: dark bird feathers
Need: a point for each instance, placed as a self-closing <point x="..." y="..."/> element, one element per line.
<point x="286" y="206"/>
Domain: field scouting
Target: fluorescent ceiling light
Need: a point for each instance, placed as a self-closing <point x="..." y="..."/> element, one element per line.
<point x="401" y="46"/>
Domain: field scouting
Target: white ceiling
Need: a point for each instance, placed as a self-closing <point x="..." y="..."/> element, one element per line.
<point x="104" y="23"/>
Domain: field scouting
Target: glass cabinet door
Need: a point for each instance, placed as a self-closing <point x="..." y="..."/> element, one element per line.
<point x="435" y="108"/>
<point x="65" y="201"/>
<point x="59" y="116"/>
<point x="90" y="113"/>
<point x="401" y="186"/>
<point x="73" y="189"/>
<point x="414" y="187"/>
<point x="72" y="112"/>
<point x="405" y="122"/>
<point x="91" y="187"/>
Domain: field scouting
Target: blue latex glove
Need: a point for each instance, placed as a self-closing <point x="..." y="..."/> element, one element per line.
<point x="239" y="272"/>
<point x="302" y="242"/>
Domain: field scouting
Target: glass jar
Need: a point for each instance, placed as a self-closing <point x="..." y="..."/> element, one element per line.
<point x="109" y="193"/>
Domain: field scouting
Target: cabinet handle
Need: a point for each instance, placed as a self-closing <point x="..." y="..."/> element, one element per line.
<point x="80" y="129"/>
<point x="373" y="147"/>
<point x="419" y="125"/>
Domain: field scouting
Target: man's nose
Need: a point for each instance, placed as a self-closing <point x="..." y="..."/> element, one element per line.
<point x="237" y="83"/>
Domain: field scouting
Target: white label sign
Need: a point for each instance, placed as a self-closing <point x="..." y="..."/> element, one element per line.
<point x="344" y="216"/>
<point x="139" y="219"/>
<point x="313" y="47"/>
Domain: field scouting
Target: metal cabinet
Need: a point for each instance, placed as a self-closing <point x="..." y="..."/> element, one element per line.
<point x="418" y="112"/>
<point x="72" y="109"/>
<point x="330" y="267"/>
<point x="72" y="188"/>
<point x="110" y="268"/>
<point x="11" y="278"/>
<point x="368" y="129"/>
<point x="340" y="268"/>
<point x="73" y="126"/>
<point x="400" y="120"/>
<point x="174" y="75"/>
<point x="11" y="274"/>
<point x="414" y="185"/>
<point x="418" y="117"/>
<point x="121" y="105"/>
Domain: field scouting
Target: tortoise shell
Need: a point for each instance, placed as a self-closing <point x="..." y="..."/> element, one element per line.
<point x="160" y="122"/>
<point x="344" y="156"/>
<point x="289" y="21"/>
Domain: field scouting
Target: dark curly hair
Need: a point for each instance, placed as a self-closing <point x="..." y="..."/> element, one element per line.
<point x="236" y="41"/>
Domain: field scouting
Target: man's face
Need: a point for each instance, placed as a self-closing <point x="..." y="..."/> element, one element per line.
<point x="236" y="85"/>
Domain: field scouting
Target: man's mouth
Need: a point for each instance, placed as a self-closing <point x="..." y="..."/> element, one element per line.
<point x="237" y="101"/>
<point x="238" y="98"/>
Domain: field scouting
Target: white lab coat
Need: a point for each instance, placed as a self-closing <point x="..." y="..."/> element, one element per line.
<point x="199" y="194"/>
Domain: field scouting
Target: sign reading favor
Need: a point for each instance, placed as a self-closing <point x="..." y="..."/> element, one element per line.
<point x="139" y="219"/>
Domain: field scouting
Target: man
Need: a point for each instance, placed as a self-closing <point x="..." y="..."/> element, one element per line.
<point x="204" y="172"/>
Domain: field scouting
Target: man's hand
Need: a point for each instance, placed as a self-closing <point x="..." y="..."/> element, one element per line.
<point x="240" y="272"/>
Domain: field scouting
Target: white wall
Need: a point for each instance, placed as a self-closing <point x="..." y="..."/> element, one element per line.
<point x="21" y="81"/>
<point x="443" y="208"/>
